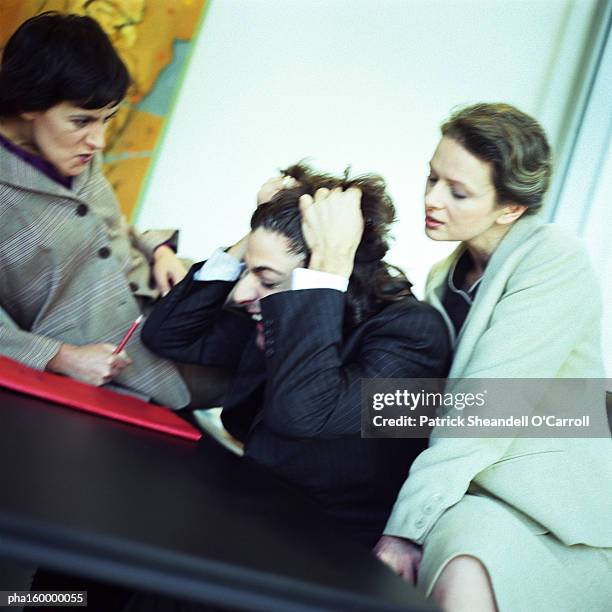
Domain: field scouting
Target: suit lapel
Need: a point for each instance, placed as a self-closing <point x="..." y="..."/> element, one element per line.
<point x="252" y="370"/>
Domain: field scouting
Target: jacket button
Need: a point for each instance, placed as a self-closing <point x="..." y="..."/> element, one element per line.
<point x="82" y="210"/>
<point x="428" y="509"/>
<point x="419" y="524"/>
<point x="104" y="252"/>
<point x="134" y="287"/>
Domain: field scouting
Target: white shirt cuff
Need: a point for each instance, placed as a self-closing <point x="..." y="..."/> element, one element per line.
<point x="304" y="278"/>
<point x="220" y="267"/>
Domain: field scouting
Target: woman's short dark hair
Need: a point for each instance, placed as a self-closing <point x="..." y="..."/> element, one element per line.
<point x="54" y="58"/>
<point x="513" y="142"/>
<point x="373" y="282"/>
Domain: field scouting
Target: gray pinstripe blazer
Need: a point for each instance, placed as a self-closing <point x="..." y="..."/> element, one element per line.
<point x="70" y="271"/>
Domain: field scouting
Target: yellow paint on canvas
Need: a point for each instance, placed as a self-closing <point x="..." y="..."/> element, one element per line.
<point x="135" y="143"/>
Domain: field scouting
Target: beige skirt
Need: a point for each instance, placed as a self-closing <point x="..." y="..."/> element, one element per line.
<point x="530" y="569"/>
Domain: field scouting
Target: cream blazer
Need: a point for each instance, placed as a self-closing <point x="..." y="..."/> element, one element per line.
<point x="537" y="314"/>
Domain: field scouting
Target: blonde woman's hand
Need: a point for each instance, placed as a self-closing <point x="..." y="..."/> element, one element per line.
<point x="401" y="555"/>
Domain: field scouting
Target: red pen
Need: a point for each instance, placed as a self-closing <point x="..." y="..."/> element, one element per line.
<point x="128" y="335"/>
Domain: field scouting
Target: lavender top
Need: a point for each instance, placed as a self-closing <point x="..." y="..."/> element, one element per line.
<point x="38" y="162"/>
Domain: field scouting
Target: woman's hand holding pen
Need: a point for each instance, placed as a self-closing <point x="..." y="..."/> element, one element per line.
<point x="95" y="364"/>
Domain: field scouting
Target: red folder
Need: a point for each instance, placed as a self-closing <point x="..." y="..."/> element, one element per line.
<point x="106" y="403"/>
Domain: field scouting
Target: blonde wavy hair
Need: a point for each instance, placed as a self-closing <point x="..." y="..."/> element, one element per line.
<point x="513" y="143"/>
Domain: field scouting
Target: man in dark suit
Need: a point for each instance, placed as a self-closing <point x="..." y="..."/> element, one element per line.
<point x="314" y="329"/>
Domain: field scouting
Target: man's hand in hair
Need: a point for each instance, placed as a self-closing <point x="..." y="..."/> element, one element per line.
<point x="272" y="186"/>
<point x="332" y="224"/>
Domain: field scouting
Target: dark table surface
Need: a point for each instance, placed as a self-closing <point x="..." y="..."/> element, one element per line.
<point x="113" y="502"/>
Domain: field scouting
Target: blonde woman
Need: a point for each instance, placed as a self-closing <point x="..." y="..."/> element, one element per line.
<point x="501" y="523"/>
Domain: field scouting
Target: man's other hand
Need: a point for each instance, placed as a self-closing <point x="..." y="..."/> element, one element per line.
<point x="272" y="186"/>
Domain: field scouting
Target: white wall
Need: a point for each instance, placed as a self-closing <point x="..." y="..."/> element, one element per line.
<point x="357" y="82"/>
<point x="585" y="184"/>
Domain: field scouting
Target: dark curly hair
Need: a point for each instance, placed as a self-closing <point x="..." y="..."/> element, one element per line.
<point x="373" y="283"/>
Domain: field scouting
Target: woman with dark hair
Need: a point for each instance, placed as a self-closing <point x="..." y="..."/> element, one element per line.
<point x="73" y="275"/>
<point x="309" y="339"/>
<point x="521" y="522"/>
<point x="41" y="68"/>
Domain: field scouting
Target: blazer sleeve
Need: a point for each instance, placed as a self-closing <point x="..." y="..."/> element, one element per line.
<point x="30" y="349"/>
<point x="190" y="324"/>
<point x="146" y="242"/>
<point x="311" y="392"/>
<point x="550" y="305"/>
